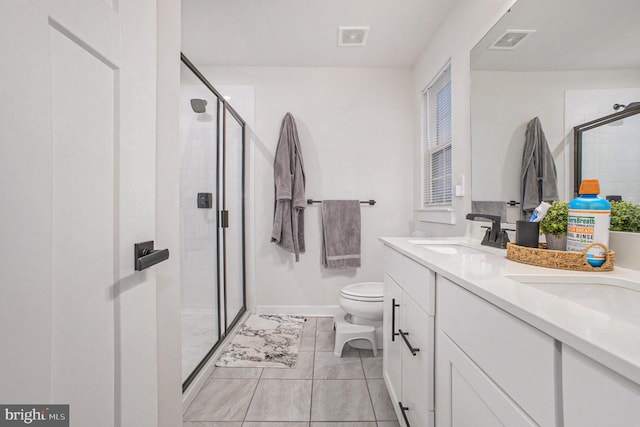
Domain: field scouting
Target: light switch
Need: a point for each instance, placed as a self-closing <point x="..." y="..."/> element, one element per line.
<point x="458" y="189"/>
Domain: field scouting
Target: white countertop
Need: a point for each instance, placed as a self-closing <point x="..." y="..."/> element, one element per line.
<point x="608" y="339"/>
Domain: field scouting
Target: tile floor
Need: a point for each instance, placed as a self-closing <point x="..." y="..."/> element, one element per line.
<point x="322" y="391"/>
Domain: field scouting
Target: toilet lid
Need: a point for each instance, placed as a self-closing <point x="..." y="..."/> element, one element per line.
<point x="367" y="291"/>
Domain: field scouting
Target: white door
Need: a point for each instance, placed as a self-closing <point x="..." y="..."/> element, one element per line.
<point x="77" y="173"/>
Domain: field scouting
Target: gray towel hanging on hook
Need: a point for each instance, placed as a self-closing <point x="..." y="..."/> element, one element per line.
<point x="289" y="179"/>
<point x="539" y="179"/>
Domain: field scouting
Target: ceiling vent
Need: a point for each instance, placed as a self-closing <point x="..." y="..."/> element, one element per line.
<point x="511" y="39"/>
<point x="352" y="36"/>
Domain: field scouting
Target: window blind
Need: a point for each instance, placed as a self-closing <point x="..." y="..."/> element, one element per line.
<point x="437" y="188"/>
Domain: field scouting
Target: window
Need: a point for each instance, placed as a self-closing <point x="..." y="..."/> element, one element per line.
<point x="436" y="167"/>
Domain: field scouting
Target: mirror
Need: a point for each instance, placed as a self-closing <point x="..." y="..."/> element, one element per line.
<point x="581" y="59"/>
<point x="596" y="143"/>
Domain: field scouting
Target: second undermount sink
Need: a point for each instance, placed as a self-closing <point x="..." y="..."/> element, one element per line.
<point x="613" y="296"/>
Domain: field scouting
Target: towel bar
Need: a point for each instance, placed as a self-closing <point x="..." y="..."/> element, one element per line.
<point x="368" y="202"/>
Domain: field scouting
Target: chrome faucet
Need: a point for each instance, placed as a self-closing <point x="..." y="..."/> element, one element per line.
<point x="494" y="236"/>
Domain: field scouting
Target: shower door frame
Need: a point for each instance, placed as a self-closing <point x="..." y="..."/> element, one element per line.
<point x="578" y="132"/>
<point x="221" y="282"/>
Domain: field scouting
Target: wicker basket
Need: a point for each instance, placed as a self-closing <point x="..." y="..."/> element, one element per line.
<point x="559" y="259"/>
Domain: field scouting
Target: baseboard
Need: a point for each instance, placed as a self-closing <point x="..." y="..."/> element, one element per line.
<point x="301" y="310"/>
<point x="205" y="373"/>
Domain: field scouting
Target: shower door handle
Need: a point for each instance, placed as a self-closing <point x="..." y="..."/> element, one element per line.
<point x="224" y="219"/>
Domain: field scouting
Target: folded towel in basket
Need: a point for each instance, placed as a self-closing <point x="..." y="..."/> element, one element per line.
<point x="341" y="234"/>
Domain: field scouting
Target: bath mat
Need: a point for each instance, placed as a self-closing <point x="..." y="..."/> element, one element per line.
<point x="265" y="341"/>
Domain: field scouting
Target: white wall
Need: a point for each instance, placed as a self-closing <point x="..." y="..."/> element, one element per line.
<point x="467" y="23"/>
<point x="502" y="105"/>
<point x="355" y="127"/>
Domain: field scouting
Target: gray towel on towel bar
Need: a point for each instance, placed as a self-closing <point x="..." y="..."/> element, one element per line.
<point x="340" y="234"/>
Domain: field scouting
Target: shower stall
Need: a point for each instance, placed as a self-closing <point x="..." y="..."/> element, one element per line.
<point x="607" y="148"/>
<point x="212" y="157"/>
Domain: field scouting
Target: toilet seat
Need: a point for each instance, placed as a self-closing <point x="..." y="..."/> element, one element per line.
<point x="359" y="321"/>
<point x="366" y="292"/>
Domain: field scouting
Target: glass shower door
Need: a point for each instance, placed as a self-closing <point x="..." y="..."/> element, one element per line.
<point x="199" y="130"/>
<point x="233" y="232"/>
<point x="212" y="220"/>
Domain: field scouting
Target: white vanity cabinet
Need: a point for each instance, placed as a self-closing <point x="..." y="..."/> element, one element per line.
<point x="408" y="333"/>
<point x="492" y="368"/>
<point x="497" y="352"/>
<point x="594" y="395"/>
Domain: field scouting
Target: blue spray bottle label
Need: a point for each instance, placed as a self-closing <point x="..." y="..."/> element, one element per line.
<point x="586" y="227"/>
<point x="588" y="222"/>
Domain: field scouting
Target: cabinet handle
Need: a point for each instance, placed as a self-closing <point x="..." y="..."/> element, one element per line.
<point x="393" y="319"/>
<point x="412" y="349"/>
<point x="404" y="410"/>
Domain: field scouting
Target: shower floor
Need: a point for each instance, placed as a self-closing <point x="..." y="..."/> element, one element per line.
<point x="199" y="334"/>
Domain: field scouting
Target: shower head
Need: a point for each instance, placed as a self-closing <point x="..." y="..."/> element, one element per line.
<point x="199" y="105"/>
<point x="632" y="105"/>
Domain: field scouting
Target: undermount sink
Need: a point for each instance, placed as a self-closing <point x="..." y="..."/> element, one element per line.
<point x="612" y="296"/>
<point x="429" y="242"/>
<point x="451" y="247"/>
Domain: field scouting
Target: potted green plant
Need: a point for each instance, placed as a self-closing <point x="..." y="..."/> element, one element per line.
<point x="554" y="225"/>
<point x="624" y="238"/>
<point x="625" y="216"/>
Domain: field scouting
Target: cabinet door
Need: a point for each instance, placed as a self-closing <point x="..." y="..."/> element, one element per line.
<point x="392" y="350"/>
<point x="520" y="359"/>
<point x="594" y="395"/>
<point x="466" y="396"/>
<point x="417" y="363"/>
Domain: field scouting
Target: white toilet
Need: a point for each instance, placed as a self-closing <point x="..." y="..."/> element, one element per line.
<point x="360" y="321"/>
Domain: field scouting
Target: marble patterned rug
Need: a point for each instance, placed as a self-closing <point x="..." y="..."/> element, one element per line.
<point x="265" y="341"/>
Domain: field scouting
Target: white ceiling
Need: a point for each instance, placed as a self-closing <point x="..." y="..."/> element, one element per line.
<point x="570" y="35"/>
<point x="305" y="32"/>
